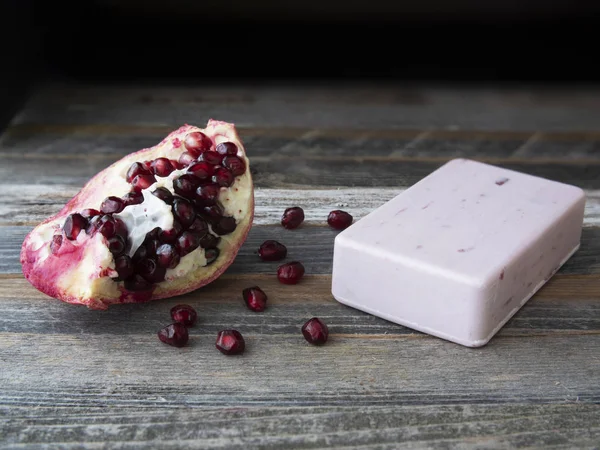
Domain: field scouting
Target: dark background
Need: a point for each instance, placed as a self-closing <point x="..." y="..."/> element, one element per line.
<point x="180" y="41"/>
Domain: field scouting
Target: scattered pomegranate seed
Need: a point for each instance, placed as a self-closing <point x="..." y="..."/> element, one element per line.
<point x="184" y="314"/>
<point x="230" y="342"/>
<point x="136" y="169"/>
<point x="142" y="182"/>
<point x="74" y="223"/>
<point x="339" y="219"/>
<point x="271" y="250"/>
<point x="162" y="167"/>
<point x="175" y="334"/>
<point x="290" y="273"/>
<point x="292" y="217"/>
<point x="112" y="205"/>
<point x="235" y="165"/>
<point x="223" y="177"/>
<point x="56" y="243"/>
<point x="227" y="148"/>
<point x="167" y="256"/>
<point x="315" y="331"/>
<point x="255" y="298"/>
<point x="212" y="158"/>
<point x="164" y="194"/>
<point x="197" y="142"/>
<point x="185" y="159"/>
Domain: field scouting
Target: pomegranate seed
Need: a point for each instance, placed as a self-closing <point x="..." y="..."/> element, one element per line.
<point x="184" y="212"/>
<point x="186" y="185"/>
<point x="185" y="159"/>
<point x="212" y="158"/>
<point x="201" y="170"/>
<point x="148" y="165"/>
<point x="223" y="177"/>
<point x="224" y="226"/>
<point x="292" y="217"/>
<point x="339" y="219"/>
<point x="162" y="167"/>
<point x="137" y="283"/>
<point x="207" y="195"/>
<point x="176" y="164"/>
<point x="133" y="198"/>
<point x="89" y="213"/>
<point x="152" y="246"/>
<point x="107" y="226"/>
<point x="120" y="229"/>
<point x="136" y="169"/>
<point x="143" y="182"/>
<point x="116" y="245"/>
<point x="199" y="226"/>
<point x="255" y="298"/>
<point x="227" y="148"/>
<point x="290" y="273"/>
<point x="150" y="270"/>
<point x="209" y="241"/>
<point x="315" y="331"/>
<point x="175" y="335"/>
<point x="271" y="250"/>
<point x="164" y="194"/>
<point x="184" y="314"/>
<point x="211" y="254"/>
<point x="56" y="243"/>
<point x="187" y="243"/>
<point x="212" y="213"/>
<point x="170" y="236"/>
<point x="74" y="223"/>
<point x="167" y="256"/>
<point x="124" y="266"/>
<point x="93" y="224"/>
<point x="235" y="165"/>
<point x="112" y="205"/>
<point x="230" y="342"/>
<point x="197" y="142"/>
<point x="140" y="254"/>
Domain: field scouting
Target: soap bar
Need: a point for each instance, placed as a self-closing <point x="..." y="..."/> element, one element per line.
<point x="457" y="254"/>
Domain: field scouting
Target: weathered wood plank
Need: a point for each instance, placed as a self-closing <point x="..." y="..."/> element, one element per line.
<point x="311" y="245"/>
<point x="321" y="106"/>
<point x="437" y="427"/>
<point x="26" y="204"/>
<point x="566" y="306"/>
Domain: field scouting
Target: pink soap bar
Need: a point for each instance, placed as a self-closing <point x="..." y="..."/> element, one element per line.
<point x="460" y="252"/>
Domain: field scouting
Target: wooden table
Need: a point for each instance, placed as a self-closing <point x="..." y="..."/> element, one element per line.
<point x="74" y="378"/>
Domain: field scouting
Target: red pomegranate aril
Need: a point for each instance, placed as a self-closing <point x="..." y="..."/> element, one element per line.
<point x="89" y="213"/>
<point x="112" y="205"/>
<point x="290" y="273"/>
<point x="186" y="185"/>
<point x="201" y="170"/>
<point x="152" y="246"/>
<point x="225" y="225"/>
<point x="255" y="298"/>
<point x="175" y="335"/>
<point x="140" y="254"/>
<point x="292" y="217"/>
<point x="137" y="283"/>
<point x="162" y="167"/>
<point x="107" y="226"/>
<point x="212" y="213"/>
<point x="197" y="142"/>
<point x="120" y="229"/>
<point x="93" y="224"/>
<point x="185" y="159"/>
<point x="184" y="212"/>
<point x="133" y="198"/>
<point x="315" y="331"/>
<point x="227" y="148"/>
<point x="223" y="177"/>
<point x="209" y="241"/>
<point x="170" y="236"/>
<point x="207" y="195"/>
<point x="199" y="226"/>
<point x="230" y="342"/>
<point x="142" y="182"/>
<point x="56" y="243"/>
<point x="184" y="314"/>
<point x="212" y="158"/>
<point x="187" y="243"/>
<point x="74" y="223"/>
<point x="271" y="250"/>
<point x="124" y="266"/>
<point x="136" y="169"/>
<point x="235" y="165"/>
<point x="339" y="219"/>
<point x="150" y="270"/>
<point x="116" y="245"/>
<point x="211" y="254"/>
<point x="164" y="194"/>
<point x="167" y="256"/>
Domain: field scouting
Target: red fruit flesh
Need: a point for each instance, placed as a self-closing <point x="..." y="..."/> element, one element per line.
<point x="227" y="148"/>
<point x="292" y="217"/>
<point x="124" y="254"/>
<point x="290" y="273"/>
<point x="184" y="314"/>
<point x="315" y="331"/>
<point x="235" y="165"/>
<point x="339" y="220"/>
<point x="271" y="250"/>
<point x="175" y="335"/>
<point x="255" y="298"/>
<point x="230" y="342"/>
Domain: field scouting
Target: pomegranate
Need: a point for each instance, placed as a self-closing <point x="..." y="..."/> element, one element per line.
<point x="290" y="273"/>
<point x="292" y="217"/>
<point x="339" y="219"/>
<point x="230" y="342"/>
<point x="146" y="227"/>
<point x="255" y="298"/>
<point x="184" y="314"/>
<point x="272" y="250"/>
<point x="315" y="331"/>
<point x="175" y="334"/>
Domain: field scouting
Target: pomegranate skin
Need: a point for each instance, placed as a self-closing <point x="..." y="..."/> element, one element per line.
<point x="80" y="273"/>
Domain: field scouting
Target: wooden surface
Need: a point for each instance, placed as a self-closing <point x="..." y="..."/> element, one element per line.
<point x="74" y="378"/>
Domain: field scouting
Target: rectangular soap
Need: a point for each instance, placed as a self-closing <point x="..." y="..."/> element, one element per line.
<point x="457" y="254"/>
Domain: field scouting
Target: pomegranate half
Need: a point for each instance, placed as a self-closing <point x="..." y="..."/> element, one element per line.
<point x="158" y="223"/>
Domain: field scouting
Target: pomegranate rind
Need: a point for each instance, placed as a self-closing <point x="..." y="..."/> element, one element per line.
<point x="80" y="272"/>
